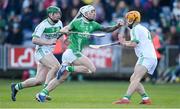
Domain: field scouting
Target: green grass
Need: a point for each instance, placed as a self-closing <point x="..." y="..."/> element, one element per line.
<point x="90" y="95"/>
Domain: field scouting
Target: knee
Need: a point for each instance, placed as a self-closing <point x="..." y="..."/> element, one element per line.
<point x="55" y="67"/>
<point x="135" y="80"/>
<point x="131" y="79"/>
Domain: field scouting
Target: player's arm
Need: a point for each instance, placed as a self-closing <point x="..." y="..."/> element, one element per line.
<point x="37" y="36"/>
<point x="60" y="35"/>
<point x="111" y="28"/>
<point x="40" y="41"/>
<point x="65" y="30"/>
<point x="129" y="44"/>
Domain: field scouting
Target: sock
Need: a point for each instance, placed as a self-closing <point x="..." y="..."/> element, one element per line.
<point x="44" y="92"/>
<point x="45" y="85"/>
<point x="70" y="68"/>
<point x="127" y="97"/>
<point x="18" y="86"/>
<point x="80" y="77"/>
<point x="144" y="96"/>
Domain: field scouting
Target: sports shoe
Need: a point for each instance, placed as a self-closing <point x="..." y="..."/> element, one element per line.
<point x="48" y="98"/>
<point x="148" y="102"/>
<point x="40" y="97"/>
<point x="61" y="71"/>
<point x="13" y="92"/>
<point x="122" y="101"/>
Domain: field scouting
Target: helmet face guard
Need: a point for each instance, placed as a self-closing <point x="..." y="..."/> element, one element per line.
<point x="133" y="17"/>
<point x="52" y="10"/>
<point x="85" y="9"/>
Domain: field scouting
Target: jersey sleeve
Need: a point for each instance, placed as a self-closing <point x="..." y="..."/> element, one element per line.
<point x="73" y="24"/>
<point x="135" y="36"/>
<point x="97" y="26"/>
<point x="38" y="30"/>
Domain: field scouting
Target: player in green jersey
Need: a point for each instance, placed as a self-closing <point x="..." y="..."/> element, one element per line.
<point x="44" y="37"/>
<point x="73" y="59"/>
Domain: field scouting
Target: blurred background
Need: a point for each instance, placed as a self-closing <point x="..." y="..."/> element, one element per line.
<point x="18" y="19"/>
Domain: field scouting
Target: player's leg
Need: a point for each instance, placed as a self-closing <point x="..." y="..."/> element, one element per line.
<point x="47" y="64"/>
<point x="37" y="80"/>
<point x="41" y="97"/>
<point x="80" y="63"/>
<point x="145" y="98"/>
<point x="135" y="79"/>
<point x="140" y="89"/>
<point x="53" y="64"/>
<point x="84" y="65"/>
<point x="151" y="66"/>
<point x="68" y="57"/>
<point x="55" y="82"/>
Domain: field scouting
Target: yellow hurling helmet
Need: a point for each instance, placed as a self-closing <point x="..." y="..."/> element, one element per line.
<point x="133" y="16"/>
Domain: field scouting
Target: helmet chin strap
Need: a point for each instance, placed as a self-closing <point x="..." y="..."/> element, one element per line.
<point x="131" y="25"/>
<point x="87" y="18"/>
<point x="54" y="21"/>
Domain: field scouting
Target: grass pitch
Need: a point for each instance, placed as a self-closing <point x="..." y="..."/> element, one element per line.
<point x="90" y="94"/>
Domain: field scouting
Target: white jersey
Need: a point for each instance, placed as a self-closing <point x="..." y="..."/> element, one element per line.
<point x="142" y="36"/>
<point x="47" y="31"/>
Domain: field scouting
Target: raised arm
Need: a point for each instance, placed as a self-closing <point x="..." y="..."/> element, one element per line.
<point x="112" y="28"/>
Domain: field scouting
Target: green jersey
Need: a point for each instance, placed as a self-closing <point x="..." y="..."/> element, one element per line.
<point x="78" y="41"/>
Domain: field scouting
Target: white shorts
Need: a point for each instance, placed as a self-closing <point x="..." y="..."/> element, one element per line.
<point x="68" y="56"/>
<point x="41" y="52"/>
<point x="149" y="63"/>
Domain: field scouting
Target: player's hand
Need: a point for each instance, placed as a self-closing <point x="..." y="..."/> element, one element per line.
<point x="66" y="33"/>
<point x="65" y="30"/>
<point x="120" y="23"/>
<point x="121" y="39"/>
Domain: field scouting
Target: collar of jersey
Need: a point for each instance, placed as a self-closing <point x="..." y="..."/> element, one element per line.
<point x="135" y="24"/>
<point x="84" y="19"/>
<point x="50" y="22"/>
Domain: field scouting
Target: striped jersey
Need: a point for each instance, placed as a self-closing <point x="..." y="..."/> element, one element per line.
<point x="46" y="31"/>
